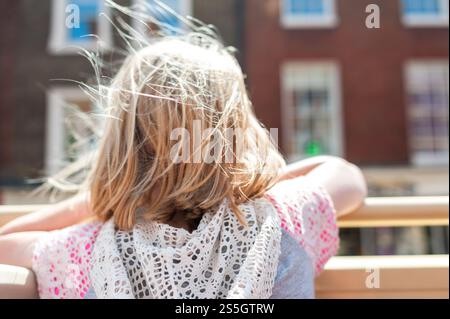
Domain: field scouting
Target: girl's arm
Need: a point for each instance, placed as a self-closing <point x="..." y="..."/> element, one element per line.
<point x="303" y="167"/>
<point x="342" y="180"/>
<point x="60" y="215"/>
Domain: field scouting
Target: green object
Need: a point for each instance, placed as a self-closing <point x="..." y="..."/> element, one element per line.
<point x="313" y="148"/>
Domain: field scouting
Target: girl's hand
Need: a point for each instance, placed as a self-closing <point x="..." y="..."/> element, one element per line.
<point x="60" y="215"/>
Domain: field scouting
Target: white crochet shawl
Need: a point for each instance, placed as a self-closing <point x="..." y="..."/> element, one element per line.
<point x="220" y="259"/>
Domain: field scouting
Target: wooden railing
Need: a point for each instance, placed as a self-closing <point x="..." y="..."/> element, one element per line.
<point x="421" y="276"/>
<point x="376" y="212"/>
<point x="399" y="211"/>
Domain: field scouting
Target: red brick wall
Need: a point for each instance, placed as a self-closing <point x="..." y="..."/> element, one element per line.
<point x="371" y="63"/>
<point x="8" y="25"/>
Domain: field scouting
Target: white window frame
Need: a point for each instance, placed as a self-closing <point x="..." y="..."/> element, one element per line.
<point x="58" y="43"/>
<point x="186" y="10"/>
<point x="426" y="20"/>
<point x="424" y="159"/>
<point x="55" y="125"/>
<point x="337" y="133"/>
<point x="293" y="21"/>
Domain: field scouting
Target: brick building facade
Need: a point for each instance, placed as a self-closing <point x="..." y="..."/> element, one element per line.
<point x="29" y="62"/>
<point x="371" y="67"/>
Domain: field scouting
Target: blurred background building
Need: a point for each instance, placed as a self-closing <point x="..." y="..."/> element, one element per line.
<point x="376" y="96"/>
<point x="316" y="71"/>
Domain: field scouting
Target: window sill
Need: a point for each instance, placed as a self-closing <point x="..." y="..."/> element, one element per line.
<point x="425" y="22"/>
<point x="294" y="22"/>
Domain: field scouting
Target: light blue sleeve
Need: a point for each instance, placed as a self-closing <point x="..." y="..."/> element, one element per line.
<point x="295" y="273"/>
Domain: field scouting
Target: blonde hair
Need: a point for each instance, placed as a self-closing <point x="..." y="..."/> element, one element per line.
<point x="162" y="87"/>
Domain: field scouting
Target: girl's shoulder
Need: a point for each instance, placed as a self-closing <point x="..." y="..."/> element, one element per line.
<point x="62" y="259"/>
<point x="307" y="213"/>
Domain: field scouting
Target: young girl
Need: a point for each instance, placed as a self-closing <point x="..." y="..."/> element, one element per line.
<point x="169" y="221"/>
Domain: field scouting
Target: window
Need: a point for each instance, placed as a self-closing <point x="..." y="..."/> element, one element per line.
<point x="425" y="12"/>
<point x="308" y="13"/>
<point x="311" y="109"/>
<point x="73" y="24"/>
<point x="427" y="98"/>
<point x="173" y="23"/>
<point x="62" y="146"/>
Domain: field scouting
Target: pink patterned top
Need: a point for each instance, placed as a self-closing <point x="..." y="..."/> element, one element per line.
<point x="62" y="259"/>
<point x="307" y="213"/>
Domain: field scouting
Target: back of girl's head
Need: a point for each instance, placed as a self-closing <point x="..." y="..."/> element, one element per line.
<point x="180" y="135"/>
<point x="177" y="132"/>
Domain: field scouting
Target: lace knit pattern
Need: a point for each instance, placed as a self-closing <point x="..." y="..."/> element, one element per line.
<point x="220" y="259"/>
